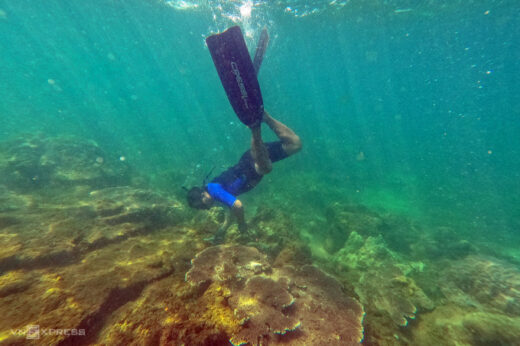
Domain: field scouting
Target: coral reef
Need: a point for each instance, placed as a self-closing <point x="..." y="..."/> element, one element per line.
<point x="226" y="263"/>
<point x="269" y="230"/>
<point x="277" y="305"/>
<point x="85" y="249"/>
<point x="458" y="296"/>
<point x="260" y="307"/>
<point x="478" y="304"/>
<point x="320" y="299"/>
<point x="400" y="234"/>
<point x="381" y="279"/>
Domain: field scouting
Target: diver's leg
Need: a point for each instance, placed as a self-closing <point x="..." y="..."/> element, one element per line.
<point x="291" y="142"/>
<point x="263" y="164"/>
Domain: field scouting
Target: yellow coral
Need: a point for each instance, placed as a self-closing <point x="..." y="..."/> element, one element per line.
<point x="217" y="312"/>
<point x="5" y="335"/>
<point x="142" y="331"/>
<point x="71" y="303"/>
<point x="124" y="325"/>
<point x="10" y="277"/>
<point x="165" y="242"/>
<point x="51" y="277"/>
<point x="224" y="291"/>
<point x="51" y="290"/>
<point x="400" y="279"/>
<point x="247" y="301"/>
<point x="172" y="319"/>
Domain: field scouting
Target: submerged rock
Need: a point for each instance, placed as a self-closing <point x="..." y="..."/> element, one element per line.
<point x="62" y="233"/>
<point x="10" y="201"/>
<point x="271" y="231"/>
<point x="344" y="219"/>
<point x="73" y="266"/>
<point x="454" y="325"/>
<point x="442" y="242"/>
<point x="486" y="281"/>
<point x="33" y="162"/>
<point x="82" y="294"/>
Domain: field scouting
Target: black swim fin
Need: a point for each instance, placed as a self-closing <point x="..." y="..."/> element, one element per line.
<point x="260" y="50"/>
<point x="237" y="74"/>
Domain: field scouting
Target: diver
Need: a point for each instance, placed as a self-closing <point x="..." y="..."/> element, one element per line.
<point x="247" y="173"/>
<point x="238" y="74"/>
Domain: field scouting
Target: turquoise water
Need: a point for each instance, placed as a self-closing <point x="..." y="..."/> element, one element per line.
<point x="426" y="92"/>
<point x="405" y="107"/>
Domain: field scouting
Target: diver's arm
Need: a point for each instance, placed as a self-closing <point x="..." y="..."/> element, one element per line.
<point x="263" y="164"/>
<point x="238" y="211"/>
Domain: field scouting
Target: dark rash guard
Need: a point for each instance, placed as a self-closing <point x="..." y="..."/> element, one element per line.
<point x="242" y="177"/>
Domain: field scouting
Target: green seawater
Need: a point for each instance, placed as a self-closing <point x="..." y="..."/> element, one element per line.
<point x="406" y="108"/>
<point x="402" y="106"/>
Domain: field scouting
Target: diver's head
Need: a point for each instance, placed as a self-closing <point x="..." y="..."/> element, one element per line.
<point x="198" y="198"/>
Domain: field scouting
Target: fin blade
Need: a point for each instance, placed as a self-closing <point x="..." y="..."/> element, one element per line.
<point x="263" y="41"/>
<point x="237" y="74"/>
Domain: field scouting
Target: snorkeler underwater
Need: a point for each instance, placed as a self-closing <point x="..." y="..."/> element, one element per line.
<point x="259" y="172"/>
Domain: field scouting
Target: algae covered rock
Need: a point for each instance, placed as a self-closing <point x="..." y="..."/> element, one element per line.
<point x="486" y="280"/>
<point x="442" y="243"/>
<point x="34" y="161"/>
<point x="270" y="230"/>
<point x="61" y="231"/>
<point x="10" y="201"/>
<point x="74" y="261"/>
<point x="275" y="305"/>
<point x="72" y="267"/>
<point x="273" y="231"/>
<point x="454" y="325"/>
<point x="343" y="219"/>
<point x="83" y="293"/>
